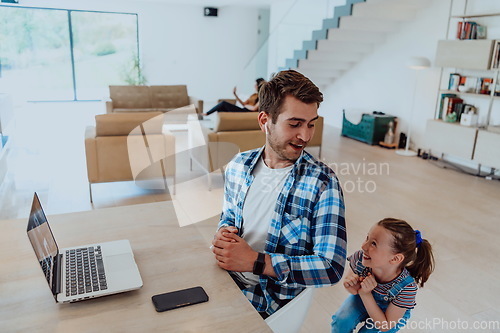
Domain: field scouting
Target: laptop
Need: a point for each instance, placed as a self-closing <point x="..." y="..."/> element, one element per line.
<point x="83" y="272"/>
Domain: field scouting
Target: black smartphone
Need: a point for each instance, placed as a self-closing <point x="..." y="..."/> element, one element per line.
<point x="179" y="298"/>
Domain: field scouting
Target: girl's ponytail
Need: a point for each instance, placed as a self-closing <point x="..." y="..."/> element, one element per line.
<point x="423" y="265"/>
<point x="419" y="260"/>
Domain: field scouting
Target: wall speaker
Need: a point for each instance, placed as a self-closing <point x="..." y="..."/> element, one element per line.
<point x="210" y="11"/>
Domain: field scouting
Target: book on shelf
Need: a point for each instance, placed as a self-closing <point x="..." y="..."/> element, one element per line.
<point x="444" y="99"/>
<point x="454" y="81"/>
<point x="495" y="59"/>
<point x="462" y="80"/>
<point x="470" y="30"/>
<point x="459" y="29"/>
<point x="481" y="32"/>
<point x="449" y="106"/>
<point x="486" y="85"/>
<point x="458" y="108"/>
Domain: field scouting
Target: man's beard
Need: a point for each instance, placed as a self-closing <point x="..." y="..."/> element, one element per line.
<point x="281" y="149"/>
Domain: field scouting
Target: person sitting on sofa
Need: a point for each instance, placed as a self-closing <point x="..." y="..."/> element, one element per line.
<point x="251" y="104"/>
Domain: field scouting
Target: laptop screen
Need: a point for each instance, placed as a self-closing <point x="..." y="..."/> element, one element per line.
<point x="43" y="241"/>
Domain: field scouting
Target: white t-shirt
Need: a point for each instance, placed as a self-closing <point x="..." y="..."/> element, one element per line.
<point x="258" y="209"/>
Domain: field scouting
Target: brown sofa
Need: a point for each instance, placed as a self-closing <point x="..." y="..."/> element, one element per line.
<point x="232" y="132"/>
<point x="152" y="98"/>
<point x="131" y="146"/>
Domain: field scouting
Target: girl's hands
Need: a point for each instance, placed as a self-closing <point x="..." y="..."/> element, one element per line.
<point x="367" y="284"/>
<point x="352" y="284"/>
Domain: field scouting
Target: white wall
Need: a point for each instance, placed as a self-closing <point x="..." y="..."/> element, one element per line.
<point x="179" y="45"/>
<point x="382" y="82"/>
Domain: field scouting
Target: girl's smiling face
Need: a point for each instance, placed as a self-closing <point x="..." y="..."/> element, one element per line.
<point x="377" y="248"/>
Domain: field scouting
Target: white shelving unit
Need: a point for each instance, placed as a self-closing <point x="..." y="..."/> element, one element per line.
<point x="480" y="144"/>
<point x="465" y="95"/>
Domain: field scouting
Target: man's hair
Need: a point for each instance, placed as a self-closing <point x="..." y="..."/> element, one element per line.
<point x="287" y="83"/>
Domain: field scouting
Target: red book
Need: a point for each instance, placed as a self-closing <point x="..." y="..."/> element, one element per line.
<point x="459" y="30"/>
<point x="451" y="104"/>
<point x="486" y="85"/>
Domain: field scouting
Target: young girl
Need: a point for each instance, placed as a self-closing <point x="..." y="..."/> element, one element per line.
<point x="383" y="278"/>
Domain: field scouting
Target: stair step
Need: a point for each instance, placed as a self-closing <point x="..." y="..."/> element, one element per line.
<point x="331" y="23"/>
<point x="369" y="37"/>
<point x="321" y="81"/>
<point x="338" y="55"/>
<point x="320" y="34"/>
<point x="396" y="10"/>
<point x="368" y="24"/>
<point x="292" y="63"/>
<point x="324" y="65"/>
<point x="321" y="73"/>
<point x="344" y="10"/>
<point x="353" y="2"/>
<point x="309" y="45"/>
<point x="300" y="54"/>
<point x="348" y="46"/>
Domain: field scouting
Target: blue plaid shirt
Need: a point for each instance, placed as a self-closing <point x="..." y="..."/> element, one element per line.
<point x="307" y="237"/>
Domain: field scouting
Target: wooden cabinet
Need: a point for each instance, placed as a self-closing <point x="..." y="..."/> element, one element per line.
<point x="487" y="148"/>
<point x="451" y="138"/>
<point x="467" y="54"/>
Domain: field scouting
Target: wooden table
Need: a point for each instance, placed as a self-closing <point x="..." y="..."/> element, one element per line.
<point x="169" y="258"/>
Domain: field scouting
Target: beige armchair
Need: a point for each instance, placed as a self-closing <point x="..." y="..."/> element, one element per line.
<point x="131" y="146"/>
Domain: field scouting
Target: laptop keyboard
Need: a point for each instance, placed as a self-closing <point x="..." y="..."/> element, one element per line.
<point x="84" y="271"/>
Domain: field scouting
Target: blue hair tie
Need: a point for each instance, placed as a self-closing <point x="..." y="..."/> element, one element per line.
<point x="418" y="237"/>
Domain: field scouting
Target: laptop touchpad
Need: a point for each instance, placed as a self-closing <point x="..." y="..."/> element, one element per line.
<point x="120" y="262"/>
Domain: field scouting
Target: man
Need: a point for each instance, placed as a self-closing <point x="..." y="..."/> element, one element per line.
<point x="282" y="227"/>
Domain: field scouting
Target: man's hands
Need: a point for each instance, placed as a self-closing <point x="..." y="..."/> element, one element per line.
<point x="220" y="234"/>
<point x="232" y="252"/>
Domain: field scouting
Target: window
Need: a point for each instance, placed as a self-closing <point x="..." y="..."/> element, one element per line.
<point x="52" y="54"/>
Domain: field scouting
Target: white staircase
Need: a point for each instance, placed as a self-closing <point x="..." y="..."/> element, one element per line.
<point x="356" y="29"/>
